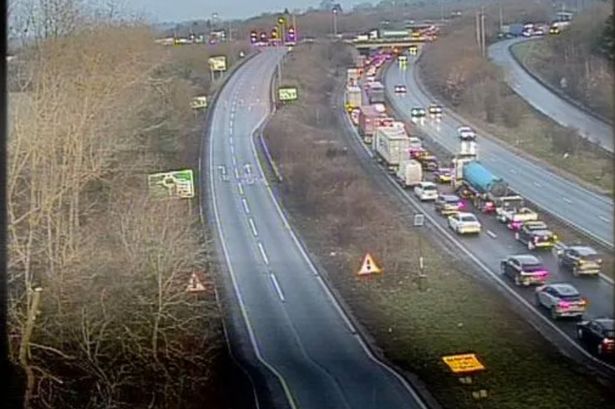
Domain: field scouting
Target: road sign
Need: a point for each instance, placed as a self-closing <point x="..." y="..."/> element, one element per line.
<point x="287" y="93"/>
<point x="199" y="102"/>
<point x="369" y="266"/>
<point x="463" y="363"/>
<point x="195" y="285"/>
<point x="419" y="219"/>
<point x="179" y="184"/>
<point x="217" y="63"/>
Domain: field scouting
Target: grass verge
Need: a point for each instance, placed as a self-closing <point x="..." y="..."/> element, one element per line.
<point x="342" y="214"/>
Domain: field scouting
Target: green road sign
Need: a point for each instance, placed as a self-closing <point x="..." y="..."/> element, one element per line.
<point x="177" y="184"/>
<point x="287" y="93"/>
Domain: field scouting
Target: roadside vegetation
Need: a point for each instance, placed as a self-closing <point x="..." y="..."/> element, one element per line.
<point x="342" y="214"/>
<point x="582" y="55"/>
<point x="98" y="315"/>
<point x="453" y="69"/>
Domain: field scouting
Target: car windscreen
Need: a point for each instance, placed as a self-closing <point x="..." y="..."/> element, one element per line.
<point x="468" y="219"/>
<point x="451" y="200"/>
<point x="573" y="297"/>
<point x="429" y="187"/>
<point x="590" y="257"/>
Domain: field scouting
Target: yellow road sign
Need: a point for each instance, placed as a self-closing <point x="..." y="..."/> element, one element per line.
<point x="463" y="363"/>
<point x="369" y="266"/>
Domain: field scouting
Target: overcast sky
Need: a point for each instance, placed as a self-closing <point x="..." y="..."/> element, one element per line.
<point x="179" y="10"/>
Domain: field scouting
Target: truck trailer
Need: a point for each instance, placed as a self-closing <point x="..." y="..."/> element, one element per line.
<point x="375" y="93"/>
<point x="371" y="116"/>
<point x="392" y="144"/>
<point x="354" y="97"/>
<point x="480" y="185"/>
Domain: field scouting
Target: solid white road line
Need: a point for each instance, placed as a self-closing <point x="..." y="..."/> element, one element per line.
<point x="245" y="205"/>
<point x="277" y="287"/>
<point x="253" y="227"/>
<point x="491" y="234"/>
<point x="240" y="188"/>
<point x="604" y="219"/>
<point x="262" y="249"/>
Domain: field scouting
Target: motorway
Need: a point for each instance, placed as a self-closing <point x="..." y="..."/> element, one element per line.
<point x="589" y="212"/>
<point x="547" y="102"/>
<point x="496" y="241"/>
<point x="292" y="322"/>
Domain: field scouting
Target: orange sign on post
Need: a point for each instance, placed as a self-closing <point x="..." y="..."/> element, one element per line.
<point x="369" y="266"/>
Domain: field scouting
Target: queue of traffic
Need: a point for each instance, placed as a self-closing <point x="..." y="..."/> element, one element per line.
<point x="463" y="182"/>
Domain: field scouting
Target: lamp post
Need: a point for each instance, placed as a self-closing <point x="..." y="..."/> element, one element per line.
<point x="335" y="11"/>
<point x="419" y="221"/>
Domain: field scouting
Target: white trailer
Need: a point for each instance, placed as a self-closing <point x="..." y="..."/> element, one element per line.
<point x="353" y="97"/>
<point x="392" y="144"/>
<point x="409" y="173"/>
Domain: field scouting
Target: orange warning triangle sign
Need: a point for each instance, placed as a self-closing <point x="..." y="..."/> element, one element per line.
<point x="195" y="285"/>
<point x="369" y="266"/>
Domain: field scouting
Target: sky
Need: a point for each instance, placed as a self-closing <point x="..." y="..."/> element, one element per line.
<point x="180" y="10"/>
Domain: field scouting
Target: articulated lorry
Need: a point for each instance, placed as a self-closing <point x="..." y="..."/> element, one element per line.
<point x="473" y="181"/>
<point x="371" y="117"/>
<point x="392" y="144"/>
<point x="375" y="93"/>
<point x="354" y="97"/>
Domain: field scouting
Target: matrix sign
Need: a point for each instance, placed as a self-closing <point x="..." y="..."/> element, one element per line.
<point x="287" y="93"/>
<point x="217" y="63"/>
<point x="176" y="184"/>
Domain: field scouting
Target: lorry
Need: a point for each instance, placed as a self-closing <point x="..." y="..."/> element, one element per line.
<point x="371" y="116"/>
<point x="473" y="181"/>
<point x="354" y="97"/>
<point x="391" y="144"/>
<point x="511" y="30"/>
<point x="353" y="75"/>
<point x="375" y="93"/>
<point x="409" y="173"/>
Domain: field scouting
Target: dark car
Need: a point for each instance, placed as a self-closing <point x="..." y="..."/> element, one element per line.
<point x="400" y="89"/>
<point x="536" y="234"/>
<point x="417" y="112"/>
<point x="580" y="260"/>
<point x="448" y="204"/>
<point x="598" y="335"/>
<point x="524" y="269"/>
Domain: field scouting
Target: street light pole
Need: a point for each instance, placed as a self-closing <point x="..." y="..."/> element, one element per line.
<point x="419" y="221"/>
<point x="335" y="22"/>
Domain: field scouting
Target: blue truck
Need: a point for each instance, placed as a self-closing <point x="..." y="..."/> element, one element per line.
<point x="483" y="187"/>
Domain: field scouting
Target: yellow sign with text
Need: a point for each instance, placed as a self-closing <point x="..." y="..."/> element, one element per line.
<point x="463" y="363"/>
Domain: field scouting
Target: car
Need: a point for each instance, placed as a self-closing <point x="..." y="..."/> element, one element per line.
<point x="417" y="112"/>
<point x="536" y="234"/>
<point x="463" y="223"/>
<point x="524" y="269"/>
<point x="435" y="110"/>
<point x="598" y="335"/>
<point x="466" y="133"/>
<point x="581" y="260"/>
<point x="426" y="191"/>
<point x="516" y="217"/>
<point x="400" y="89"/>
<point x="448" y="204"/>
<point x="443" y="175"/>
<point x="554" y="30"/>
<point x="561" y="299"/>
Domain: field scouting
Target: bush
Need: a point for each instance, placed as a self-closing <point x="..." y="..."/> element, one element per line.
<point x="512" y="112"/>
